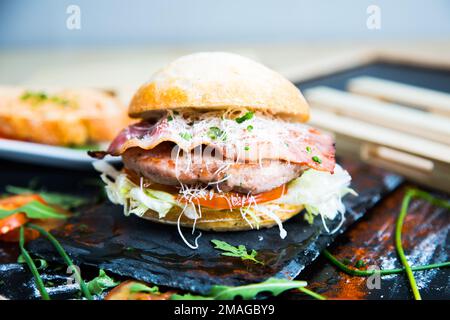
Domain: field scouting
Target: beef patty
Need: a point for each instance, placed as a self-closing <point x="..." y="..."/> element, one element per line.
<point x="161" y="167"/>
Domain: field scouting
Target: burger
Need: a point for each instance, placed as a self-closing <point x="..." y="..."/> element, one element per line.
<point x="222" y="146"/>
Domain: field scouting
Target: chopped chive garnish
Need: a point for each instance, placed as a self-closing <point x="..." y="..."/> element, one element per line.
<point x="27" y="258"/>
<point x="317" y="159"/>
<point x="59" y="100"/>
<point x="398" y="243"/>
<point x="246" y="148"/>
<point x="346" y="261"/>
<point x="186" y="136"/>
<point x="366" y="273"/>
<point x="360" y="264"/>
<point x="40" y="96"/>
<point x="245" y="117"/>
<point x="215" y="132"/>
<point x="66" y="258"/>
<point x="169" y="118"/>
<point x="410" y="194"/>
<point x="313" y="294"/>
<point x="249" y="128"/>
<point x="308" y="149"/>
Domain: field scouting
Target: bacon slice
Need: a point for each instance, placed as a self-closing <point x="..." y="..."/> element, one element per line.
<point x="260" y="138"/>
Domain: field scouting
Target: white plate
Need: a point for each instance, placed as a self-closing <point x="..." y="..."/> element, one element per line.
<point x="41" y="154"/>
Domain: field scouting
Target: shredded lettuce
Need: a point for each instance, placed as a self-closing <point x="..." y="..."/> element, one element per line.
<point x="135" y="199"/>
<point x="319" y="192"/>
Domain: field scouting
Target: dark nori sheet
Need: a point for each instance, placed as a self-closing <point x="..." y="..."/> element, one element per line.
<point x="129" y="246"/>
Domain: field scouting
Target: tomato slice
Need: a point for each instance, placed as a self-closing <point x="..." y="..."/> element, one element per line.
<point x="12" y="222"/>
<point x="14" y="202"/>
<point x="233" y="200"/>
<point x="123" y="292"/>
<point x="9" y="226"/>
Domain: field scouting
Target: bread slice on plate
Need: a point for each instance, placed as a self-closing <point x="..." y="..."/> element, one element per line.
<point x="60" y="117"/>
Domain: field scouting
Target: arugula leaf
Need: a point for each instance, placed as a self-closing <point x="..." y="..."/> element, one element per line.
<point x="245" y="117"/>
<point x="232" y="251"/>
<point x="62" y="200"/>
<point x="140" y="287"/>
<point x="34" y="210"/>
<point x="101" y="283"/>
<point x="247" y="292"/>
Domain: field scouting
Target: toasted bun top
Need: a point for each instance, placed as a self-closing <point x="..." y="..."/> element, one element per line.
<point x="219" y="80"/>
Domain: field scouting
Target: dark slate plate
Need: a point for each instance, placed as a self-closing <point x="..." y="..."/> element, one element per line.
<point x="132" y="247"/>
<point x="17" y="282"/>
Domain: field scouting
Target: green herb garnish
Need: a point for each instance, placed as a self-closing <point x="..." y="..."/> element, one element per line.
<point x="43" y="264"/>
<point x="186" y="136"/>
<point x="309" y="216"/>
<point x="140" y="287"/>
<point x="29" y="261"/>
<point x="66" y="258"/>
<point x="245" y="117"/>
<point x="308" y="149"/>
<point x="169" y="118"/>
<point x="232" y="251"/>
<point x="37" y="97"/>
<point x="411" y="193"/>
<point x="62" y="200"/>
<point x="246" y="148"/>
<point x="34" y="210"/>
<point x="360" y="264"/>
<point x="86" y="147"/>
<point x="317" y="159"/>
<point x="59" y="100"/>
<point x="247" y="292"/>
<point x="215" y="133"/>
<point x="249" y="128"/>
<point x="366" y="273"/>
<point x="346" y="261"/>
<point x="312" y="293"/>
<point x="101" y="283"/>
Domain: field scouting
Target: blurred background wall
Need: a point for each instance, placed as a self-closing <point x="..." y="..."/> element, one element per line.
<point x="120" y="43"/>
<point x="25" y="23"/>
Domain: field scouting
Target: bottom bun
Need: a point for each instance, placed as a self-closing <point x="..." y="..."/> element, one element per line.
<point x="225" y="220"/>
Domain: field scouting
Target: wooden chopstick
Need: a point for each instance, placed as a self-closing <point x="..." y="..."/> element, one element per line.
<point x="419" y="159"/>
<point x="427" y="99"/>
<point x="370" y="110"/>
